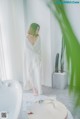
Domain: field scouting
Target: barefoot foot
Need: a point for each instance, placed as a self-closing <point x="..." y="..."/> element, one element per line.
<point x="35" y="92"/>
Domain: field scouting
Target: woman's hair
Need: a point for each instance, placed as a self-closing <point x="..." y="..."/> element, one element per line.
<point x="33" y="28"/>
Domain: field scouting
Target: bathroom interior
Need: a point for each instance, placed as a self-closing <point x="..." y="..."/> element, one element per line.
<point x="15" y="97"/>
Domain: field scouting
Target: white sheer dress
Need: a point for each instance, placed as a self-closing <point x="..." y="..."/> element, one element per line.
<point x="33" y="64"/>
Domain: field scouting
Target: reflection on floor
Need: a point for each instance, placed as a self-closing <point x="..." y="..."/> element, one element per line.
<point x="62" y="96"/>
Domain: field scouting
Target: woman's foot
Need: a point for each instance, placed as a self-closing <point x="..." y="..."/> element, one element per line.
<point x="35" y="92"/>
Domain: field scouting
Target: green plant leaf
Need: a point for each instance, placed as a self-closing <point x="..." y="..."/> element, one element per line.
<point x="72" y="48"/>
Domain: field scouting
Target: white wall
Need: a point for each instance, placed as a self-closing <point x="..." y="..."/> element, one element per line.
<point x="73" y="13"/>
<point x="37" y="11"/>
<point x="12" y="27"/>
<point x="56" y="40"/>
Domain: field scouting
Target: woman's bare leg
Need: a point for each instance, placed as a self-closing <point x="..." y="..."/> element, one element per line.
<point x="37" y="74"/>
<point x="35" y="91"/>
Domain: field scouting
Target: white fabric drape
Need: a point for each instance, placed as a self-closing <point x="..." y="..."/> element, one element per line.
<point x="33" y="71"/>
<point x="13" y="35"/>
<point x="2" y="62"/>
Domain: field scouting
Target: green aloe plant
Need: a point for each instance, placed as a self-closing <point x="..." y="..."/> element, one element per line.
<point x="61" y="59"/>
<point x="72" y="48"/>
<point x="62" y="56"/>
<point x="57" y="63"/>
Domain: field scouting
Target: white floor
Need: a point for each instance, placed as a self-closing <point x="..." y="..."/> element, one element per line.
<point x="61" y="95"/>
<point x="64" y="97"/>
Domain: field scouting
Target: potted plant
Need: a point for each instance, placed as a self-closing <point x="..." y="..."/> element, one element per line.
<point x="60" y="79"/>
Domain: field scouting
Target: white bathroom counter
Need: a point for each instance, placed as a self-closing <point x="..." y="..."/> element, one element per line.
<point x="28" y="103"/>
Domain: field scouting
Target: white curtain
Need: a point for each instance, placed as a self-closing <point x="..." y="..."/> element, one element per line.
<point x="13" y="35"/>
<point x="2" y="62"/>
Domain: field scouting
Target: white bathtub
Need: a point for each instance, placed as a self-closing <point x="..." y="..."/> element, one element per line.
<point x="10" y="99"/>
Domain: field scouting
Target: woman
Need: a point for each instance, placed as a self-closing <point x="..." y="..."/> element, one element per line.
<point x="33" y="53"/>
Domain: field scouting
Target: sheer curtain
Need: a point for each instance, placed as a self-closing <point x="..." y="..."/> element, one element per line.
<point x="13" y="35"/>
<point x="2" y="61"/>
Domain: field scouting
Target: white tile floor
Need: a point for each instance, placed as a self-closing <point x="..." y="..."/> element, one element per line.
<point x="62" y="96"/>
